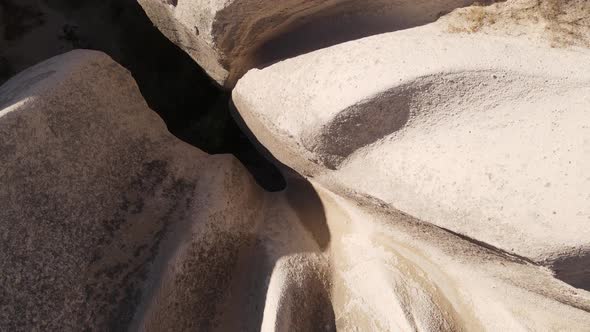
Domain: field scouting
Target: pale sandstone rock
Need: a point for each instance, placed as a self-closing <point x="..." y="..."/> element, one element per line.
<point x="482" y="140"/>
<point x="483" y="136"/>
<point x="108" y="222"/>
<point x="391" y="272"/>
<point x="228" y="37"/>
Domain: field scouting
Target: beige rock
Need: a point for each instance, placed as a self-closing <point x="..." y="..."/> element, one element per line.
<point x="228" y="37"/>
<point x="453" y="172"/>
<point x="484" y="136"/>
<point x="108" y="222"/>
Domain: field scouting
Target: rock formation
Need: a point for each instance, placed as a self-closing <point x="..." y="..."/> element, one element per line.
<point x="437" y="177"/>
<point x="111" y="223"/>
<point x="464" y="132"/>
<point x="228" y="37"/>
<point x="173" y="85"/>
<point x="92" y="183"/>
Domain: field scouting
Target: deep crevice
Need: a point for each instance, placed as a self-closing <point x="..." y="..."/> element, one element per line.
<point x="193" y="107"/>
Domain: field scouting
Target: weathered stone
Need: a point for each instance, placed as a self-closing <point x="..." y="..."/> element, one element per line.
<point x="228" y="37"/>
<point x="484" y="136"/>
<point x="440" y="190"/>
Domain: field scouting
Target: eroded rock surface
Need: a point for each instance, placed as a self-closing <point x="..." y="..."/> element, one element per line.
<point x="172" y="84"/>
<point x="228" y="37"/>
<point x="480" y="139"/>
<point x="445" y="190"/>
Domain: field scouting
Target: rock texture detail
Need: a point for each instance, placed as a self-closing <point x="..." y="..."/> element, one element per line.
<point x="96" y="195"/>
<point x="228" y="37"/>
<point x="435" y="115"/>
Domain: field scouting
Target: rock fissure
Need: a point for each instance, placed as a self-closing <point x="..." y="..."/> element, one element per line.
<point x="379" y="166"/>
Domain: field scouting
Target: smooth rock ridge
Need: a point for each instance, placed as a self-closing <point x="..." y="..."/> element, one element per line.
<point x="484" y="136"/>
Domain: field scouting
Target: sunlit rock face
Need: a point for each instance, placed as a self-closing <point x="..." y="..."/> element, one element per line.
<point x="481" y="138"/>
<point x="228" y="37"/>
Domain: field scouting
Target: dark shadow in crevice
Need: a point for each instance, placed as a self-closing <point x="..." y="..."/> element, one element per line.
<point x="18" y="19"/>
<point x="193" y="107"/>
<point x="306" y="203"/>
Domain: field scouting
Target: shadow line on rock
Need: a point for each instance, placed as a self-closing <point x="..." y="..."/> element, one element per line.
<point x="361" y="125"/>
<point x="300" y="193"/>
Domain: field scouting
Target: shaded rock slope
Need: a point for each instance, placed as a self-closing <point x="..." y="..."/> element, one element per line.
<point x="109" y="221"/>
